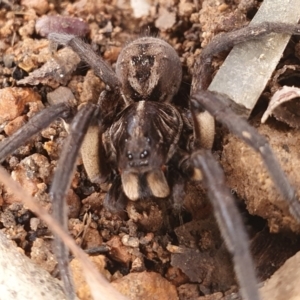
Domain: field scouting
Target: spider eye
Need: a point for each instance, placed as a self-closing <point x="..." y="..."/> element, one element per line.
<point x="129" y="155"/>
<point x="144" y="154"/>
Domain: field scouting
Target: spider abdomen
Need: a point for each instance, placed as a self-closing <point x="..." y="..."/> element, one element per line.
<point x="149" y="69"/>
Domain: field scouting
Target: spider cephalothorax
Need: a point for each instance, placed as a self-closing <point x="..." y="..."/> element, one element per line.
<point x="144" y="139"/>
<point x="134" y="138"/>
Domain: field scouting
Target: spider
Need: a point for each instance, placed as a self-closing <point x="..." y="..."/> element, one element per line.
<point x="134" y="137"/>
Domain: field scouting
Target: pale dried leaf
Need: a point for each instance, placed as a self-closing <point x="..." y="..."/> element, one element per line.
<point x="283" y="108"/>
<point x="57" y="70"/>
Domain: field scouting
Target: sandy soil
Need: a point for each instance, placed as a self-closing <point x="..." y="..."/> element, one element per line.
<point x="143" y="247"/>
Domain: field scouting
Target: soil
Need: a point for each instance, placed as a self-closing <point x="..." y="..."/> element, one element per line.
<point x="180" y="256"/>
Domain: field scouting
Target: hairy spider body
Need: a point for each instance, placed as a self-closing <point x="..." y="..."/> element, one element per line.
<point x="135" y="138"/>
<point x="144" y="136"/>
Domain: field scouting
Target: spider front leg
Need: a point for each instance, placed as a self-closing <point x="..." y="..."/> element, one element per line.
<point x="212" y="103"/>
<point x="93" y="151"/>
<point x="92" y="148"/>
<point x="38" y="122"/>
<point x="201" y="165"/>
<point x="61" y="183"/>
<point x="115" y="200"/>
<point x="229" y="221"/>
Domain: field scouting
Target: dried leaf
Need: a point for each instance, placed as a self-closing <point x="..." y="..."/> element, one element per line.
<point x="55" y="71"/>
<point x="283" y="109"/>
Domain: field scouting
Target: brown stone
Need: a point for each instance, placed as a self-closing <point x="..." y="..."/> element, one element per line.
<point x="146" y="285"/>
<point x="13" y="100"/>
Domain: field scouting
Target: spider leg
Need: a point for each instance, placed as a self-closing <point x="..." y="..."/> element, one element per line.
<point x="115" y="200"/>
<point x="93" y="155"/>
<point x="61" y="183"/>
<point x="93" y="152"/>
<point x="87" y="54"/>
<point x="226" y="41"/>
<point x="229" y="221"/>
<point x="38" y="122"/>
<point x="213" y="104"/>
<point x="177" y="182"/>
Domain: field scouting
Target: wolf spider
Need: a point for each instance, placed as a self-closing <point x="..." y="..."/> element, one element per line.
<point x="135" y="137"/>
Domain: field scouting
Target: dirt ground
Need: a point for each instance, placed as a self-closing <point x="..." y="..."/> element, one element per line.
<point x="179" y="256"/>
